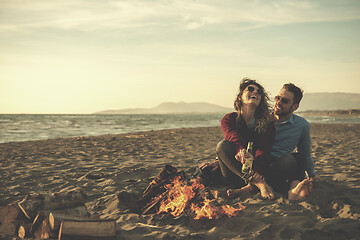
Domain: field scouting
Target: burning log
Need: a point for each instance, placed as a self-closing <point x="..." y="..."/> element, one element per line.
<point x="89" y="228"/>
<point x="151" y="205"/>
<point x="156" y="186"/>
<point x="156" y="191"/>
<point x="172" y="193"/>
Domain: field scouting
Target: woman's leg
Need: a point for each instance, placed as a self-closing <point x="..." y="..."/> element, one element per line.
<point x="230" y="167"/>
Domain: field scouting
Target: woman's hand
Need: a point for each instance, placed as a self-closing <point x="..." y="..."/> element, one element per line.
<point x="244" y="155"/>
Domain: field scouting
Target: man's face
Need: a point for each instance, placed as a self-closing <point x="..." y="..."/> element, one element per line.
<point x="284" y="104"/>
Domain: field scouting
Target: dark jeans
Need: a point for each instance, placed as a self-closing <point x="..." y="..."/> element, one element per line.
<point x="283" y="170"/>
<point x="278" y="174"/>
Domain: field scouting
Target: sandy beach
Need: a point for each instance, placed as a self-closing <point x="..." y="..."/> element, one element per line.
<point x="108" y="168"/>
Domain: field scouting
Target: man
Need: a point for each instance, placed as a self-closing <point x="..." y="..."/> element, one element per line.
<point x="292" y="132"/>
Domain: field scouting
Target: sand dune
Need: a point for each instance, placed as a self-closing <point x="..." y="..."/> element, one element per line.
<point x="113" y="169"/>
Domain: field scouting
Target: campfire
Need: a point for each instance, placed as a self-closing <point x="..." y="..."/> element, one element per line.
<point x="172" y="193"/>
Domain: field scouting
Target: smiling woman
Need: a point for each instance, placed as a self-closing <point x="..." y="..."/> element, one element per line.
<point x="252" y="124"/>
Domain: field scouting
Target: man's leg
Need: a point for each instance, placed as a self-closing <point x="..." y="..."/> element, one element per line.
<point x="281" y="172"/>
<point x="299" y="187"/>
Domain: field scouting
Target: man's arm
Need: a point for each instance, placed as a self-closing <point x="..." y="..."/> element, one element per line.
<point x="304" y="148"/>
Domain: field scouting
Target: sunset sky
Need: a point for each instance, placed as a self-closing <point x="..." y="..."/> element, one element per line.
<point x="84" y="56"/>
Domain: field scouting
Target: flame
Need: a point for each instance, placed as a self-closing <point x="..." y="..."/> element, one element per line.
<point x="180" y="195"/>
<point x="211" y="211"/>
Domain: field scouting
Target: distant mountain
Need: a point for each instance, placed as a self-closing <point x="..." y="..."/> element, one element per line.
<point x="330" y="101"/>
<point x="310" y="102"/>
<point x="171" y="107"/>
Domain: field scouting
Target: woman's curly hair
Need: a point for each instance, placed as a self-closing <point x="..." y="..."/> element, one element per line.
<point x="263" y="116"/>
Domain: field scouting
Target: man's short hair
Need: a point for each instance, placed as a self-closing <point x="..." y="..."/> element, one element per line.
<point x="298" y="92"/>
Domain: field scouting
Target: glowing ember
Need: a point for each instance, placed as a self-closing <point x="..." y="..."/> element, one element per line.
<point x="180" y="195"/>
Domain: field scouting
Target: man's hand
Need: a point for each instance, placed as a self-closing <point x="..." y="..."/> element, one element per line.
<point x="315" y="178"/>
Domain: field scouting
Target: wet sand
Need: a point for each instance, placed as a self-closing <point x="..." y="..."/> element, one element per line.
<point x="106" y="167"/>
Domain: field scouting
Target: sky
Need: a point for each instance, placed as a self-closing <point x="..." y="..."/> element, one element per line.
<point x="84" y="56"/>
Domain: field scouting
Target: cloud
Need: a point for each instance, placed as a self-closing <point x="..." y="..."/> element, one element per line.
<point x="87" y="15"/>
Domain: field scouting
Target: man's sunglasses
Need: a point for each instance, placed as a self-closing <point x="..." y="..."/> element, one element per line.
<point x="283" y="100"/>
<point x="252" y="89"/>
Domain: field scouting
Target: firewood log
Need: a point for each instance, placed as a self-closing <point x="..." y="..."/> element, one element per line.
<point x="167" y="172"/>
<point x="31" y="205"/>
<point x="56" y="217"/>
<point x="24" y="231"/>
<point x="44" y="231"/>
<point x="157" y="186"/>
<point x="8" y="228"/>
<point x="38" y="220"/>
<point x="150" y="207"/>
<point x="64" y="200"/>
<point x="89" y="228"/>
<point x="9" y="213"/>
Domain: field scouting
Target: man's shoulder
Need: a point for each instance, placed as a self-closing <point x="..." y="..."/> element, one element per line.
<point x="300" y="120"/>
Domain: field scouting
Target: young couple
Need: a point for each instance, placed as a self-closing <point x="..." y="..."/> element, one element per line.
<point x="275" y="136"/>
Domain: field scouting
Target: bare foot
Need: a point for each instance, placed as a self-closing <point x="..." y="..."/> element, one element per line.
<point x="265" y="190"/>
<point x="236" y="192"/>
<point x="299" y="190"/>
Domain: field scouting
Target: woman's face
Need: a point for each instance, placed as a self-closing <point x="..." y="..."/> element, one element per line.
<point x="251" y="95"/>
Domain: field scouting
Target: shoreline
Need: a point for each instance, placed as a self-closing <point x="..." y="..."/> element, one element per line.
<point x="107" y="166"/>
<point x="332" y="113"/>
<point x="165" y="129"/>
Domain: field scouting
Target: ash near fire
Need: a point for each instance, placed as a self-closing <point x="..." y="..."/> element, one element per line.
<point x="171" y="192"/>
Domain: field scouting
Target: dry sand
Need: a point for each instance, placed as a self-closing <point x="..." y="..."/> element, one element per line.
<point x="106" y="167"/>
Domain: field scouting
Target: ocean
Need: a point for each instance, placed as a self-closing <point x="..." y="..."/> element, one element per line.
<point x="27" y="127"/>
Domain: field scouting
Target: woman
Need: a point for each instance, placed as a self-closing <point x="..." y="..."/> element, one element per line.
<point x="252" y="122"/>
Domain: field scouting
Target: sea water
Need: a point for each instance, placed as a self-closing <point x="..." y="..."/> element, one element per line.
<point x="26" y="127"/>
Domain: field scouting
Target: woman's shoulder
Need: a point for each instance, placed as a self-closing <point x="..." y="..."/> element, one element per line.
<point x="231" y="115"/>
<point x="229" y="118"/>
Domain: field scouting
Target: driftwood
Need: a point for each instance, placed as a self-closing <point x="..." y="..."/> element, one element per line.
<point x="87" y="228"/>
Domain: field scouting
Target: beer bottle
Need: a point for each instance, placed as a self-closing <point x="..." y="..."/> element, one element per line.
<point x="247" y="166"/>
